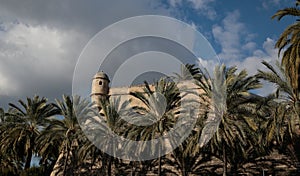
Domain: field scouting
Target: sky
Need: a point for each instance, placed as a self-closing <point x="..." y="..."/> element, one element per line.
<point x="41" y="41"/>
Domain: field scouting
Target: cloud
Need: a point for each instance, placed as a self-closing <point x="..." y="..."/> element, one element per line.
<point x="250" y="46"/>
<point x="196" y="4"/>
<point x="250" y="63"/>
<point x="203" y="7"/>
<point x="239" y="49"/>
<point x="34" y="57"/>
<point x="88" y="16"/>
<point x="267" y="4"/>
<point x="40" y="42"/>
<point x="233" y="37"/>
<point x="253" y="62"/>
<point x="174" y="3"/>
<point x="201" y="4"/>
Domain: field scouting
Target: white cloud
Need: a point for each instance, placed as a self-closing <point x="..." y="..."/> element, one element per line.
<point x="6" y="86"/>
<point x="40" y="42"/>
<point x="34" y="57"/>
<point x="203" y="7"/>
<point x="233" y="37"/>
<point x="253" y="62"/>
<point x="200" y="4"/>
<point x="269" y="48"/>
<point x="174" y="3"/>
<point x="267" y="4"/>
<point x="250" y="46"/>
<point x="88" y="16"/>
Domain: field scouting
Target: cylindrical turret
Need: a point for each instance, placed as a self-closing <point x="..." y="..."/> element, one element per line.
<point x="100" y="87"/>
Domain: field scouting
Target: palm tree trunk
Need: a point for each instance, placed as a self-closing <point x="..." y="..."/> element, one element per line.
<point x="132" y="168"/>
<point x="28" y="159"/>
<point x="235" y="169"/>
<point x="110" y="159"/>
<point x="159" y="161"/>
<point x="109" y="165"/>
<point x="224" y="160"/>
<point x="159" y="166"/>
<point x="29" y="154"/>
<point x="66" y="162"/>
<point x="93" y="160"/>
<point x="184" y="171"/>
<point x="56" y="168"/>
<point x="104" y="164"/>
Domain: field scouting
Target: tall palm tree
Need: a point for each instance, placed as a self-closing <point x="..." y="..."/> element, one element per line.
<point x="229" y="116"/>
<point x="110" y="111"/>
<point x="160" y="107"/>
<point x="188" y="156"/>
<point x="65" y="134"/>
<point x="285" y="108"/>
<point x="285" y="92"/>
<point x="90" y="156"/>
<point x="8" y="161"/>
<point x="101" y="129"/>
<point x="289" y="42"/>
<point x="28" y="120"/>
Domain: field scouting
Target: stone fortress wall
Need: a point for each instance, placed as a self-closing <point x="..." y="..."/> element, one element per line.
<point x="100" y="88"/>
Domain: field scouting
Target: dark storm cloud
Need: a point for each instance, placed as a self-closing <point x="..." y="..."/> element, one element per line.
<point x="90" y="15"/>
<point x="40" y="41"/>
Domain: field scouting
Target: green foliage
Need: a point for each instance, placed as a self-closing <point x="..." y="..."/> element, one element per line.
<point x="230" y="114"/>
<point x="23" y="126"/>
<point x="289" y="42"/>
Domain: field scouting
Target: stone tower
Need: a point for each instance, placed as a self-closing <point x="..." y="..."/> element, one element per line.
<point x="100" y="87"/>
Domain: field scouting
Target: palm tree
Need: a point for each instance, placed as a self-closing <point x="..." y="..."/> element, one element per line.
<point x="101" y="129"/>
<point x="159" y="109"/>
<point x="65" y="134"/>
<point x="284" y="116"/>
<point x="229" y="116"/>
<point x="285" y="92"/>
<point x="28" y="120"/>
<point x="110" y="112"/>
<point x="275" y="126"/>
<point x="187" y="72"/>
<point x="89" y="156"/>
<point x="289" y="41"/>
<point x="188" y="158"/>
<point x="10" y="164"/>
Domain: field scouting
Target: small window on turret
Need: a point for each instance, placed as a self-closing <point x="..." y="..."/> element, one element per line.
<point x="100" y="83"/>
